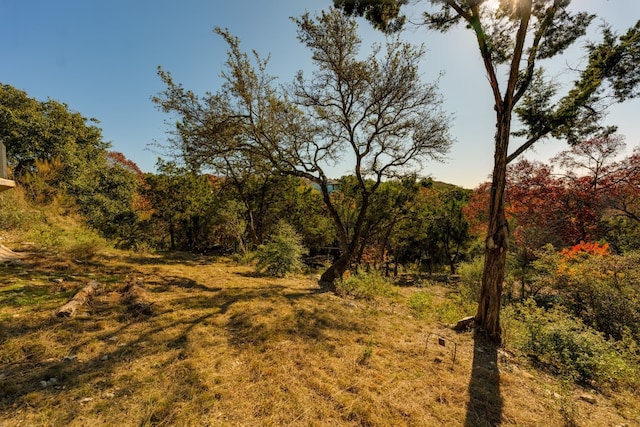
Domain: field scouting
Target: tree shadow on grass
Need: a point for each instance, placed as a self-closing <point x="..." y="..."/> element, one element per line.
<point x="132" y="339"/>
<point x="484" y="408"/>
<point x="274" y="312"/>
<point x="25" y="376"/>
<point x="167" y="258"/>
<point x="309" y="325"/>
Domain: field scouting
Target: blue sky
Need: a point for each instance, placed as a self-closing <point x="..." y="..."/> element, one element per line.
<point x="100" y="57"/>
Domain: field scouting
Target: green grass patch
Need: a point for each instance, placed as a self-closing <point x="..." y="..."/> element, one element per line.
<point x="32" y="295"/>
<point x="421" y="304"/>
<point x="76" y="242"/>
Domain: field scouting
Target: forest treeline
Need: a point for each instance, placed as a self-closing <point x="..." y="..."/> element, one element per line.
<point x="588" y="193"/>
<point x="575" y="222"/>
<point x="59" y="160"/>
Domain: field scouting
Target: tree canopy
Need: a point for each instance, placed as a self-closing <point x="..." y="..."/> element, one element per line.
<point x="59" y="155"/>
<point x="373" y="112"/>
<point x="516" y="37"/>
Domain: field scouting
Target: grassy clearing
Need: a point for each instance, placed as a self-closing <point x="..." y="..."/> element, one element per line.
<point x="227" y="347"/>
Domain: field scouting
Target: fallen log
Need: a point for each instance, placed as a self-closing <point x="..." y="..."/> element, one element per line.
<point x="136" y="300"/>
<point x="79" y="299"/>
<point x="7" y="255"/>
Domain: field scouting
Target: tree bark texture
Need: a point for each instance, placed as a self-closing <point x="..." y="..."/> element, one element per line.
<point x="349" y="245"/>
<point x="496" y="244"/>
<point x="7" y="254"/>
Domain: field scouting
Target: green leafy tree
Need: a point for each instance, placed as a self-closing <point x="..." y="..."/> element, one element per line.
<point x="436" y="229"/>
<point x="183" y="205"/>
<point x="375" y="110"/>
<point x="391" y="206"/>
<point x="622" y="219"/>
<point x="106" y="199"/>
<point x="57" y="154"/>
<point x="269" y="198"/>
<point x="35" y="130"/>
<point x="232" y="226"/>
<point x="517" y="37"/>
<point x="448" y="229"/>
<point x="300" y="204"/>
<point x="133" y="223"/>
<point x="42" y="183"/>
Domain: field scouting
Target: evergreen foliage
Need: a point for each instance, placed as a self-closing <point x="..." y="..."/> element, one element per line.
<point x="59" y="157"/>
<point x="283" y="254"/>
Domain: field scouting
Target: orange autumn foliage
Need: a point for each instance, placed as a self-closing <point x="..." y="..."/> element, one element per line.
<point x="591" y="248"/>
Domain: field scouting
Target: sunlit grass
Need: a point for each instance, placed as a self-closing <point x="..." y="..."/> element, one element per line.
<point x="225" y="347"/>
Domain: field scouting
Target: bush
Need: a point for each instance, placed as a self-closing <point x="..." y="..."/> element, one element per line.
<point x="365" y="285"/>
<point x="15" y="212"/>
<point x="283" y="254"/>
<point x="85" y="245"/>
<point x="599" y="288"/>
<point x="567" y="347"/>
<point x="471" y="278"/>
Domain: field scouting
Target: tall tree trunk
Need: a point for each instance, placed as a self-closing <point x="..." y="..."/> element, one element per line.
<point x="488" y="315"/>
<point x="451" y="258"/>
<point x="452" y="266"/>
<point x="496" y="244"/>
<point x="253" y="231"/>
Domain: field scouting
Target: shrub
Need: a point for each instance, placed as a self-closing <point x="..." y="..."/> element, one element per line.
<point x="55" y="228"/>
<point x="471" y="278"/>
<point x="420" y="303"/>
<point x="599" y="288"/>
<point x="454" y="307"/>
<point x="69" y="238"/>
<point x="446" y="310"/>
<point x="283" y="254"/>
<point x="567" y="347"/>
<point x="85" y="245"/>
<point x="365" y="285"/>
<point x="15" y="212"/>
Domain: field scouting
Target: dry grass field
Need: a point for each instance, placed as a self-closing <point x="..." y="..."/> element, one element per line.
<point x="222" y="346"/>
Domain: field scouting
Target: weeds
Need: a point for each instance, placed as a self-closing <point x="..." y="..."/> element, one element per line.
<point x="367" y="351"/>
<point x="567" y="408"/>
<point x="420" y="303"/>
<point x="68" y="239"/>
<point x="471" y="278"/>
<point x="15" y="212"/>
<point x="366" y="286"/>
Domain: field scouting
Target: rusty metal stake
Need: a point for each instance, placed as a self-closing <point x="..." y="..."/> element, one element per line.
<point x="442" y="341"/>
